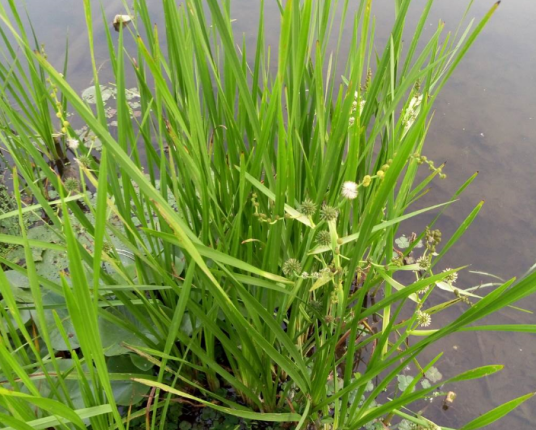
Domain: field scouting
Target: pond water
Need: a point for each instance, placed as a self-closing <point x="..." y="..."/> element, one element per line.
<point x="485" y="121"/>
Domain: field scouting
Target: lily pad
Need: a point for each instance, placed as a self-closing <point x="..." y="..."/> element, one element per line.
<point x="141" y="363"/>
<point x="20" y="285"/>
<point x="127" y="393"/>
<point x="426" y="383"/>
<point x="132" y="93"/>
<point x="24" y="314"/>
<point x="66" y="367"/>
<point x="112" y="335"/>
<point x="402" y="242"/>
<point x="58" y="343"/>
<point x="433" y="375"/>
<point x="89" y="95"/>
<point x="404" y="381"/>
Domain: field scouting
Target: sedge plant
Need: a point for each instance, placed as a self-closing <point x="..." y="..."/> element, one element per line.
<point x="229" y="241"/>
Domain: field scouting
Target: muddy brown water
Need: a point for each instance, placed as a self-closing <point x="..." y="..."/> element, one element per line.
<point x="485" y="120"/>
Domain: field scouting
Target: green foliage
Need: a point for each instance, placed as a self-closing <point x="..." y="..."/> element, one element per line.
<point x="233" y="248"/>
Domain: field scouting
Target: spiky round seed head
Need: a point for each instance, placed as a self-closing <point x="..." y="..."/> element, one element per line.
<point x="323" y="238"/>
<point x="72" y="185"/>
<point x="423" y="290"/>
<point x="308" y="207"/>
<point x="451" y="278"/>
<point x="59" y="114"/>
<point x="291" y="266"/>
<point x="424" y="263"/>
<point x="349" y="190"/>
<point x="366" y="181"/>
<point x="380" y="174"/>
<point x="317" y="306"/>
<point x="84" y="160"/>
<point x="329" y="213"/>
<point x="423" y="318"/>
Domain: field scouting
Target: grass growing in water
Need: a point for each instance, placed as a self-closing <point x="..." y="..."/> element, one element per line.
<point x="251" y="265"/>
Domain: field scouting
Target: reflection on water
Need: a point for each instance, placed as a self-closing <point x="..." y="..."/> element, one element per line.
<point x="485" y="121"/>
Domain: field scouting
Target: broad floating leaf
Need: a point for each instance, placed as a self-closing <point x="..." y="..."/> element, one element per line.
<point x="89" y="95"/>
<point x="433" y="375"/>
<point x="402" y="242"/>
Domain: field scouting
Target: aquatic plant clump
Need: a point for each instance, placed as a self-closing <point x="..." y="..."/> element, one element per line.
<point x="219" y="244"/>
